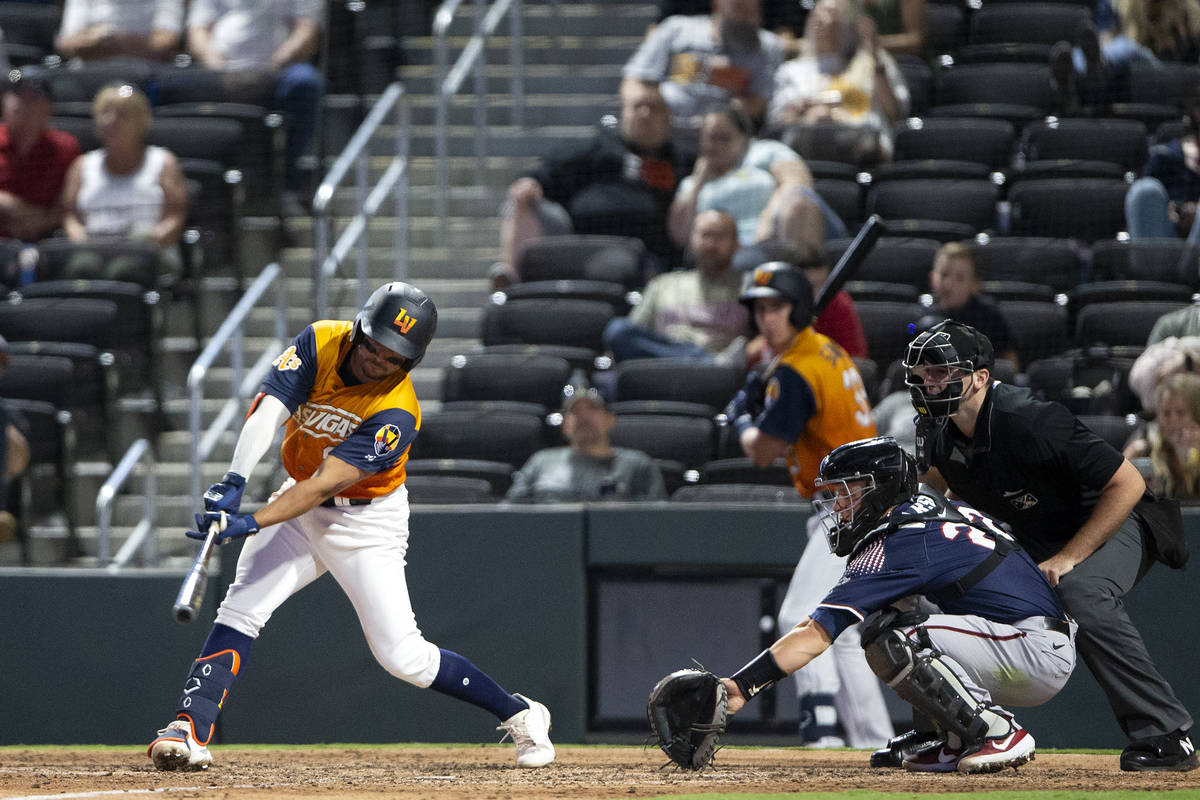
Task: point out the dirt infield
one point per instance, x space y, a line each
580 773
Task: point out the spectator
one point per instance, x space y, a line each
126 190
260 49
766 187
839 321
839 98
705 63
1172 441
693 313
14 453
1178 323
958 295
93 30
619 182
589 469
1163 357
33 158
1162 203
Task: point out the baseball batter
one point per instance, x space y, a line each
1001 637
343 390
813 401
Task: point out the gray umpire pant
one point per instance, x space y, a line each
1093 593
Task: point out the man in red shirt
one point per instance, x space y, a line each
33 158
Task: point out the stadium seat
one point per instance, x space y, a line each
497 474
1038 329
1164 83
945 28
883 290
1121 323
1169 260
744 471
688 441
1119 141
844 196
509 437
436 489
997 52
1051 262
1011 84
970 202
984 141
555 321
1018 290
529 377
945 168
712 385
893 260
889 327
1039 23
1086 382
1086 209
918 77
617 259
1124 291
1065 168
609 292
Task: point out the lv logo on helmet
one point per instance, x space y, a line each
404 322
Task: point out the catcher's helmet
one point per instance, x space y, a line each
781 279
890 476
961 350
400 317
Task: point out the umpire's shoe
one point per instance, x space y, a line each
530 732
904 746
176 749
1172 752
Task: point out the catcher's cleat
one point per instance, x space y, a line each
938 757
530 732
999 752
901 747
1172 752
176 749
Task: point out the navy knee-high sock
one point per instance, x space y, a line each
459 678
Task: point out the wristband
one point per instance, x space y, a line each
761 673
743 423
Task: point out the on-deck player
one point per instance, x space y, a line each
1000 637
343 389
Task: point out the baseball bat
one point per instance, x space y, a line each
191 591
853 257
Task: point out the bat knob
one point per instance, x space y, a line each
184 614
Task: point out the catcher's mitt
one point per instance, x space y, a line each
687 712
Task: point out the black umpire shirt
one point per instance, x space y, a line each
1031 464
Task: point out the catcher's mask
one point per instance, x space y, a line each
939 364
400 317
858 483
780 279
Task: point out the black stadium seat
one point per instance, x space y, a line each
1119 141
556 321
530 377
984 141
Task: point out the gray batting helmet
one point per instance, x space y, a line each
400 317
781 279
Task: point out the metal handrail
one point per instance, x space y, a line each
395 178
448 83
143 535
202 442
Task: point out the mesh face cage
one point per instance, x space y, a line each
843 527
934 349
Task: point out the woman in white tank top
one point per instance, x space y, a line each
127 190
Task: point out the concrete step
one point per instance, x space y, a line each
573 19
461 201
610 47
459 231
539 80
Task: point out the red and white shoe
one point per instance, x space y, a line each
999 752
938 757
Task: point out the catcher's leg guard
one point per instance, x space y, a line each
929 685
205 691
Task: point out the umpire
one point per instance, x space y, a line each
1074 503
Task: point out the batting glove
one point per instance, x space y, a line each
226 495
229 526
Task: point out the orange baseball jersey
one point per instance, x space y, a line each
368 425
816 399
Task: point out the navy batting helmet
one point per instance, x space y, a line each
400 317
889 476
781 279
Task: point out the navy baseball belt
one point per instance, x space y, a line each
334 502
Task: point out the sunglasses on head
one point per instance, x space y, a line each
375 351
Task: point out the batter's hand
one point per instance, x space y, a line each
229 526
226 495
734 695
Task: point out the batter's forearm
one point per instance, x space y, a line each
257 434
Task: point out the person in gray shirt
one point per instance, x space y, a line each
589 469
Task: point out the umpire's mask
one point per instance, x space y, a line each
939 363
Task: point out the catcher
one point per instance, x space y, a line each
1000 636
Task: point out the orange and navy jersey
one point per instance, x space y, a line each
816 399
368 425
